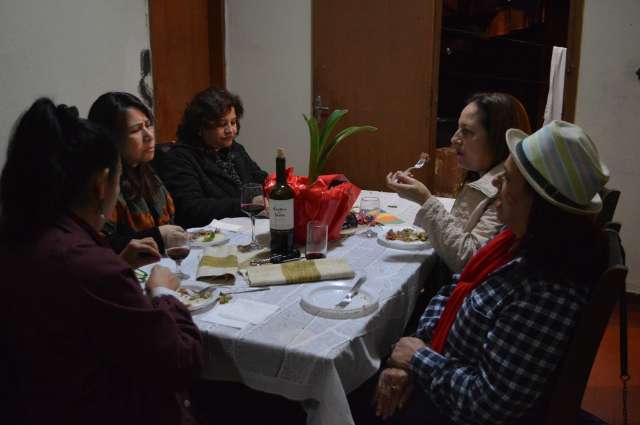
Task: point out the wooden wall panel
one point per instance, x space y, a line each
380 63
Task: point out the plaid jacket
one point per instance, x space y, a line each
507 340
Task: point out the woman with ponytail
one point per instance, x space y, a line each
82 343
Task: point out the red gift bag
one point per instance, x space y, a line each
328 200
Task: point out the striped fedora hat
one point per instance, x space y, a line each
561 163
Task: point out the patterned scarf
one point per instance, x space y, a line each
224 160
138 214
488 259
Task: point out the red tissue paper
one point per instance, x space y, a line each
328 200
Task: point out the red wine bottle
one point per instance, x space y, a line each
281 210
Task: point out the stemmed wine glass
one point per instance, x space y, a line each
177 248
252 202
369 208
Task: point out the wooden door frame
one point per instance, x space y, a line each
217 40
432 120
572 71
178 73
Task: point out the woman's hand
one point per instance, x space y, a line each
408 187
161 276
140 252
403 351
393 391
166 229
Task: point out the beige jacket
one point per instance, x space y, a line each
457 236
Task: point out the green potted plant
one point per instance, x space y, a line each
322 144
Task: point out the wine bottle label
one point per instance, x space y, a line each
281 214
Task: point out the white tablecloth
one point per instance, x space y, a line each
313 359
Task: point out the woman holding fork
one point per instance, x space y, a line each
481 150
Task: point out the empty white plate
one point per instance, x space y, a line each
322 300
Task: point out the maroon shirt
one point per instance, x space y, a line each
83 344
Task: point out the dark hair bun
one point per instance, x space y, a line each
51 157
68 120
67 114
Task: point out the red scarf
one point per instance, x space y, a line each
493 255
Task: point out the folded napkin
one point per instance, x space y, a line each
239 312
219 264
243 309
384 217
379 216
218 224
299 272
213 316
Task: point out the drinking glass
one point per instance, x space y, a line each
177 248
316 246
369 208
252 202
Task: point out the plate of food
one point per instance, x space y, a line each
403 237
202 237
192 296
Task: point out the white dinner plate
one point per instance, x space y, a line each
397 244
199 242
321 300
195 304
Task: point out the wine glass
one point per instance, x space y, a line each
177 248
252 202
369 208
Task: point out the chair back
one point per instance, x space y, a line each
565 395
610 199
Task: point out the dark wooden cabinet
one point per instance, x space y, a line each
506 46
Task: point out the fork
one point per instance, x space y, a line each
424 158
352 293
210 289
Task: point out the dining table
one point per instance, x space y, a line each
307 357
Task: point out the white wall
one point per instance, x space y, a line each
608 107
269 67
71 50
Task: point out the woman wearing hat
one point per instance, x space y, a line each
487 346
